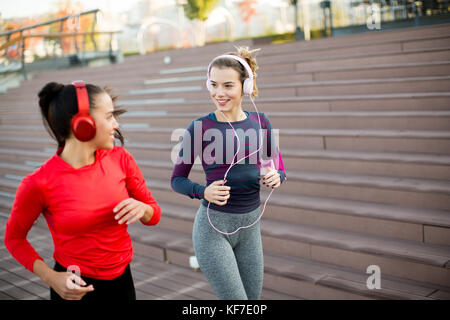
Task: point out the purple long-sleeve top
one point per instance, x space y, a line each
213 142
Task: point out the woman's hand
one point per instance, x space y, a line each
272 179
130 210
68 285
217 193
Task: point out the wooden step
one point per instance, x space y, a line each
426 120
397 221
424 193
395 48
15 168
160 172
312 88
419 35
356 187
407 223
311 271
399 70
374 218
358 48
392 190
395 102
286 89
22 156
402 69
36 144
400 258
434 120
135 69
303 276
410 165
420 141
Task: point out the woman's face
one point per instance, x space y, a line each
226 88
105 121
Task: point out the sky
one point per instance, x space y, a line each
24 8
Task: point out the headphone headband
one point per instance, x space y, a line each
239 59
82 97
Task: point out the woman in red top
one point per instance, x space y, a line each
88 192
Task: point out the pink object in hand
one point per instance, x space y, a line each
266 166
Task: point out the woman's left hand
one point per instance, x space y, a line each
272 179
130 210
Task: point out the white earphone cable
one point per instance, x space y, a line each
234 163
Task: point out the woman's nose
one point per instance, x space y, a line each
115 124
218 92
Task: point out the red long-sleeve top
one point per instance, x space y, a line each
78 207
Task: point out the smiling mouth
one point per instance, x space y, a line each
222 102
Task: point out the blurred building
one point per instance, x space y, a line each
153 24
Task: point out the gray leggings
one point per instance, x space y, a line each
233 264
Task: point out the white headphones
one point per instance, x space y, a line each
247 86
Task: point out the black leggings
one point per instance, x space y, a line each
120 288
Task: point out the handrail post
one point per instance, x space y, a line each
6 49
326 4
75 41
111 56
83 50
61 27
24 71
298 32
416 9
93 30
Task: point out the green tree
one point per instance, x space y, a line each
199 9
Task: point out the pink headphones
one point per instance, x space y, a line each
247 86
83 126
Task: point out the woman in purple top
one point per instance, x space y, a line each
232 147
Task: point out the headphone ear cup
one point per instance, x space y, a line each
83 127
248 86
208 85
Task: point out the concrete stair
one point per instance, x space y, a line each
365 136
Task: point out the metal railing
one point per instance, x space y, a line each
18 37
329 15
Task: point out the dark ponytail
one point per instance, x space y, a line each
56 114
58 104
47 94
